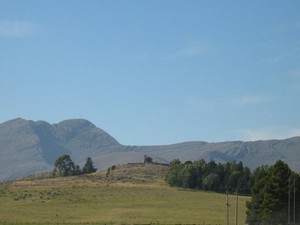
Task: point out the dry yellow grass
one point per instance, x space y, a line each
95 199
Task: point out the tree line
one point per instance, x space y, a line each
274 190
273 193
64 166
210 176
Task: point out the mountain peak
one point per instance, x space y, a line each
16 121
76 122
28 147
35 145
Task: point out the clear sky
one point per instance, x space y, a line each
154 71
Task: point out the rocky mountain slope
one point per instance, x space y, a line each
28 147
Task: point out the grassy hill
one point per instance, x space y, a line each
129 194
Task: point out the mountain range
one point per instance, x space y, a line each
29 147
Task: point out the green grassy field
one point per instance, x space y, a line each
96 200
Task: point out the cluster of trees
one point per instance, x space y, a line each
210 176
273 192
64 166
273 188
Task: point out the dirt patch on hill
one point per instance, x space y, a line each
137 172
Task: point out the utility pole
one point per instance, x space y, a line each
227 208
236 207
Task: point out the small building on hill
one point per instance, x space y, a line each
148 159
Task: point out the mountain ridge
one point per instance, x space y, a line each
29 147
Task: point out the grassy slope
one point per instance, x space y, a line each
139 197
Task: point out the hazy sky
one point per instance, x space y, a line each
154 71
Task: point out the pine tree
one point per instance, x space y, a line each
269 195
89 167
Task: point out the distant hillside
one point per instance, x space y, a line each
28 147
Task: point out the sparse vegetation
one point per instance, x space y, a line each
64 166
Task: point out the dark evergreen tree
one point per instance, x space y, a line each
254 206
276 194
269 202
88 167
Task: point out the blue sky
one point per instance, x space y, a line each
154 72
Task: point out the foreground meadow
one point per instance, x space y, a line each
95 200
